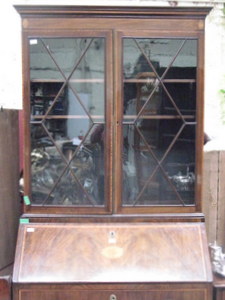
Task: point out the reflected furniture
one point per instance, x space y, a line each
113 137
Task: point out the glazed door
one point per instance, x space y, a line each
69 99
115 121
159 122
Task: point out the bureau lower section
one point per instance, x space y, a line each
107 261
114 292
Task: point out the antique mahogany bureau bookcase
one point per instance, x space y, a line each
113 138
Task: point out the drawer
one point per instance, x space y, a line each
113 295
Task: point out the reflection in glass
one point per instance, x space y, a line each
42 65
138 164
44 95
67 121
67 169
46 163
56 58
185 63
183 95
159 121
91 99
159 168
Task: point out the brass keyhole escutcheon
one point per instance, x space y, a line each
112 237
112 297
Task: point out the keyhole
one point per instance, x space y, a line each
112 234
112 297
112 237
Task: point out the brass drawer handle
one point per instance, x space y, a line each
112 297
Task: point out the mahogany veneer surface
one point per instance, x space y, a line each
108 295
112 253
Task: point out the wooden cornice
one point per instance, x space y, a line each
111 11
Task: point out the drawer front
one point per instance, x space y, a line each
113 295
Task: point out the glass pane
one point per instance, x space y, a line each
90 64
159 121
159 134
144 100
138 53
92 96
67 122
82 184
156 55
185 64
67 52
179 164
184 97
152 166
46 163
138 163
67 169
42 65
158 191
88 165
44 95
87 80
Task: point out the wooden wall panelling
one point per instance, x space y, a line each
9 181
210 193
213 196
221 200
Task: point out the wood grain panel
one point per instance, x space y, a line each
96 23
119 11
213 195
173 252
210 193
221 202
9 185
107 295
116 218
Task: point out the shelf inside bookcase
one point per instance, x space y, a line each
37 117
78 80
152 80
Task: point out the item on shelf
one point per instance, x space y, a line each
47 165
183 182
